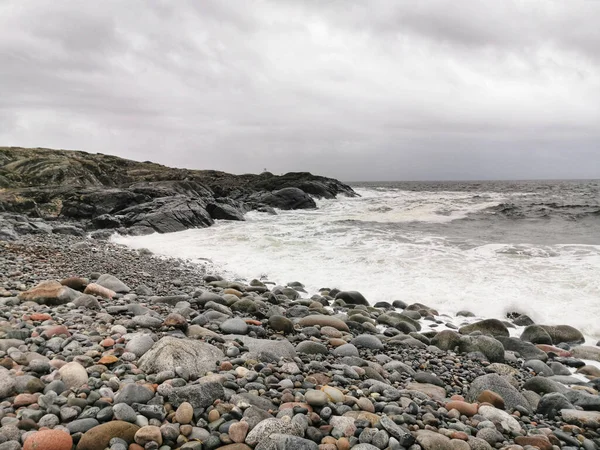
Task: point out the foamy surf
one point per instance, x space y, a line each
398 245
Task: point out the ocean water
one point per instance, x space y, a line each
488 247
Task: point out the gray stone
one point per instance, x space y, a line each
543 385
123 411
490 327
526 349
551 404
539 367
132 393
495 383
281 348
139 344
352 298
367 341
82 425
200 395
234 326
446 339
264 429
7 384
312 348
489 346
404 437
193 356
87 301
536 334
430 440
346 350
564 333
113 283
278 441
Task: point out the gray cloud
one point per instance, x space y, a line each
355 90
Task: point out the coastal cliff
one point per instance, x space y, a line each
104 192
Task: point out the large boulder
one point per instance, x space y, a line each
491 327
113 283
526 349
196 357
536 334
223 211
352 298
564 333
446 339
50 293
168 214
495 383
281 348
490 347
288 198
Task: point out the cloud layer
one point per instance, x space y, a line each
377 90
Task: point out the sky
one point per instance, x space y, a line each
357 90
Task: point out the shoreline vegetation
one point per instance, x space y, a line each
102 346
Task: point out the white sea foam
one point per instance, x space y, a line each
343 244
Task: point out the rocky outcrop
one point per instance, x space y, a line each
100 192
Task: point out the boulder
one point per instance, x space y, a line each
200 395
168 214
113 283
526 349
551 404
264 429
490 347
495 383
490 327
563 333
281 348
536 334
50 293
446 340
352 298
287 198
193 356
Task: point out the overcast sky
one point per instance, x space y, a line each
358 90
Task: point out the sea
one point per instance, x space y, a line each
489 247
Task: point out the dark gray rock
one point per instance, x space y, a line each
352 298
536 334
495 383
543 385
526 349
312 348
564 333
490 327
491 348
551 404
198 395
287 198
367 341
539 367
134 393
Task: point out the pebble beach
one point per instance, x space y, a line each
105 347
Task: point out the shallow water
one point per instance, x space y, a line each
489 247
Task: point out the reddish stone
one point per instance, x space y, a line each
492 398
539 441
290 405
108 359
459 435
40 317
258 323
468 409
555 350
49 440
24 400
55 331
108 342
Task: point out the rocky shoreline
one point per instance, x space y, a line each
107 347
